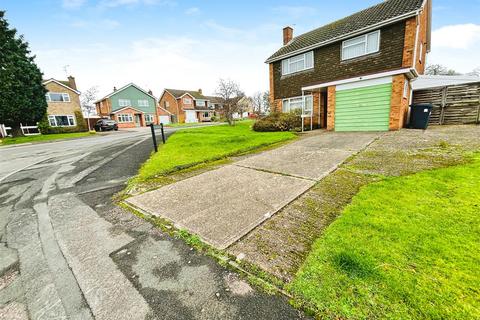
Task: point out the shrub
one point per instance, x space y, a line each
279 121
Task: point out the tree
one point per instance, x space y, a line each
475 72
257 103
261 102
229 94
266 102
22 95
88 103
438 69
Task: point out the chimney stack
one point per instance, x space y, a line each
150 92
72 83
114 89
287 35
200 91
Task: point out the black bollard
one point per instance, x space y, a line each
154 138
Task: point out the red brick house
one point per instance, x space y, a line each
187 106
354 74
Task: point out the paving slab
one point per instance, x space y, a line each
222 205
313 157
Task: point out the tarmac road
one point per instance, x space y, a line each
67 252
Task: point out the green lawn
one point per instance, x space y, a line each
405 248
43 137
190 147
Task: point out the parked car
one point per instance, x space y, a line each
105 125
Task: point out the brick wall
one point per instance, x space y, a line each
62 108
132 124
399 103
173 107
331 91
104 108
329 67
409 42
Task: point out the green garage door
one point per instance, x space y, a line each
363 109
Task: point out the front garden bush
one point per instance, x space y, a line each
279 121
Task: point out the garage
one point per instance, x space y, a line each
164 119
190 116
363 106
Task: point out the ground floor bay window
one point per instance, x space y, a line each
61 121
296 103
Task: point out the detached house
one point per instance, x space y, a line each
354 74
130 106
63 101
187 106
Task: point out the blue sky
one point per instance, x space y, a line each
191 44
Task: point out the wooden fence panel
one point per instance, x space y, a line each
459 104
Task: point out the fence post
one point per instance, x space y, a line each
442 110
163 133
153 137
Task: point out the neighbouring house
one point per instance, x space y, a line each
245 108
187 106
455 99
130 106
354 74
63 101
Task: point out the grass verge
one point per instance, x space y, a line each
44 137
191 147
405 248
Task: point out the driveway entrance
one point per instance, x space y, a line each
223 205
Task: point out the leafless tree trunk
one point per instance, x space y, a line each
88 102
230 94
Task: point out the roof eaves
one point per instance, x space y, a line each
59 83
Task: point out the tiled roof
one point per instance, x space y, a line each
380 13
177 93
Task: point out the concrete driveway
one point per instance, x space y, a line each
223 205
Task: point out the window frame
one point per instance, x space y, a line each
122 101
184 99
365 42
63 94
124 118
70 119
143 103
297 98
151 117
288 62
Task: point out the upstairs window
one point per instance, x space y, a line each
124 102
143 103
166 104
298 63
200 103
187 100
57 97
360 46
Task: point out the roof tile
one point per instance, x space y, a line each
379 13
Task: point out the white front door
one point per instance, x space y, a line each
190 116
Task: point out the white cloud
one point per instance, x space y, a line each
460 36
71 4
192 11
157 63
456 46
